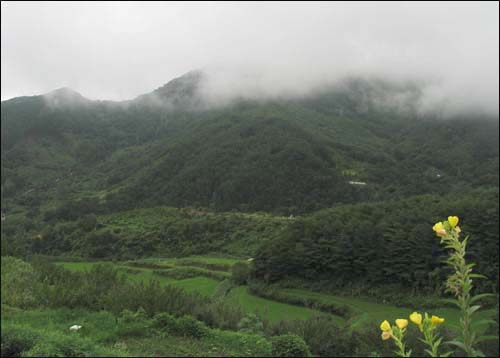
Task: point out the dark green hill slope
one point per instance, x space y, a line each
288 156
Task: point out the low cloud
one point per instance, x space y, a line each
271 50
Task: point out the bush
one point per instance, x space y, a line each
223 289
134 329
189 327
239 273
128 316
269 292
19 283
323 336
251 323
219 313
289 345
184 272
186 326
60 345
16 340
165 322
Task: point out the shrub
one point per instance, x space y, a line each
269 292
323 336
184 326
189 327
184 272
165 322
134 329
223 289
251 323
206 265
239 273
16 340
19 283
219 313
128 316
61 345
289 345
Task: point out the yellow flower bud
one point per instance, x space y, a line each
457 229
453 220
439 229
386 335
401 323
416 318
385 326
435 320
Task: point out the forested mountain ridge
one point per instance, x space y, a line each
284 155
105 179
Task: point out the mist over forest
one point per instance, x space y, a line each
244 179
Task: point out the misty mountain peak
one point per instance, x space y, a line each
65 96
181 93
187 85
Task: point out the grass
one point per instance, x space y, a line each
271 310
102 335
216 344
367 312
203 285
363 311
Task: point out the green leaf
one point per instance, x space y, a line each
473 309
447 354
486 338
453 301
478 353
480 297
482 322
476 275
458 344
428 352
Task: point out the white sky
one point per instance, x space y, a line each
122 49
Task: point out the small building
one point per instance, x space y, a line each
357 182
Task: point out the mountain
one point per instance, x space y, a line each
329 186
345 144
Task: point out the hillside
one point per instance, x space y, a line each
185 228
286 156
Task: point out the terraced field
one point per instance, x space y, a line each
204 274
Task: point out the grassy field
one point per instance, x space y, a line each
203 285
271 310
102 335
363 311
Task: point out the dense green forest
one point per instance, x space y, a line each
303 202
69 164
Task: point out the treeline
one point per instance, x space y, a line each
43 284
139 233
391 243
286 157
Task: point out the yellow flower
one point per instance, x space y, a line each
436 320
453 220
401 323
386 335
439 229
385 326
416 318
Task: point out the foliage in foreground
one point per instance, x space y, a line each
45 333
459 283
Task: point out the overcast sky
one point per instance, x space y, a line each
120 50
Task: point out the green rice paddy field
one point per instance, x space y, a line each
364 311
